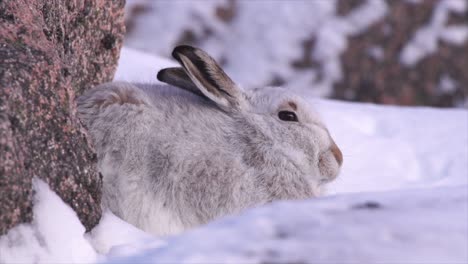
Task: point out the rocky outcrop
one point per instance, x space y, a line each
411 57
50 52
408 52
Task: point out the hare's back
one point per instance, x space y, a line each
122 102
161 95
133 117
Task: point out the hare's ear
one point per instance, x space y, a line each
208 76
178 77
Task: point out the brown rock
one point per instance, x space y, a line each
51 51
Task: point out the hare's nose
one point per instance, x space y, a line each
337 153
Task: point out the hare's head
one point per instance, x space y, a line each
280 127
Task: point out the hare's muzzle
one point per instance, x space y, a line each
337 153
330 162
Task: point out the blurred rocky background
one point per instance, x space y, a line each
401 52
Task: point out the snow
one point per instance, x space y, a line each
401 198
135 66
112 232
55 235
376 52
404 147
447 85
364 228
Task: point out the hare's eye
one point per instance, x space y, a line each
287 116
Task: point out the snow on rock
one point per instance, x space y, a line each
331 40
446 84
398 227
253 41
425 39
56 235
158 29
363 50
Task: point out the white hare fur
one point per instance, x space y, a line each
174 158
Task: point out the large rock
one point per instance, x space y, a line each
50 52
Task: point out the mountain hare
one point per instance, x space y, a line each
177 156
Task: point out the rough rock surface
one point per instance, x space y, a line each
50 52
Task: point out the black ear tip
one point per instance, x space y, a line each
182 49
160 75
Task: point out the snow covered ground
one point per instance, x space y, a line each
399 227
402 197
